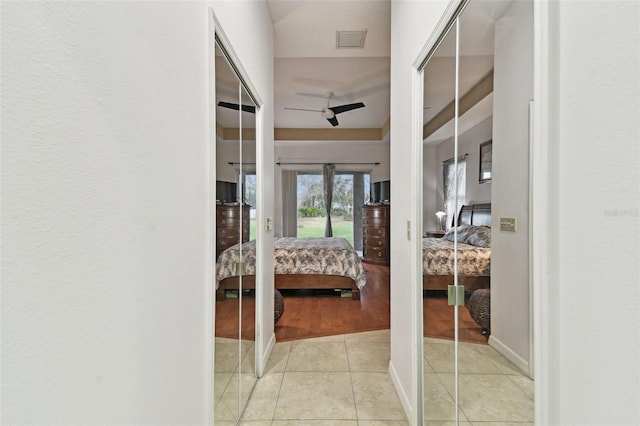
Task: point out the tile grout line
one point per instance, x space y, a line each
519 388
284 371
353 392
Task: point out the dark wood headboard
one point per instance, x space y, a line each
475 214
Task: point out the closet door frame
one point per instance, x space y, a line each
216 35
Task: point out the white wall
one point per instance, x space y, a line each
226 152
411 25
105 134
327 152
432 194
104 130
513 89
592 316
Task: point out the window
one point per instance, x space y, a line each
249 197
311 208
452 200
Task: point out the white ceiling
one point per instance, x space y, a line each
308 64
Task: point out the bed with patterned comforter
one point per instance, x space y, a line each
437 258
301 263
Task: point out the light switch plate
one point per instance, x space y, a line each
508 224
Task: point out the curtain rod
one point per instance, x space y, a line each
451 160
309 164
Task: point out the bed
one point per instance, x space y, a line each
300 263
474 260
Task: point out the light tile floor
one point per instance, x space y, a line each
344 380
492 390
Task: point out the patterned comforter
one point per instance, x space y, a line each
437 258
323 256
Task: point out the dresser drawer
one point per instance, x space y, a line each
374 221
375 253
231 212
224 222
229 232
223 243
374 231
380 212
374 242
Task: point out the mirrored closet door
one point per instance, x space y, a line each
465 379
438 129
235 322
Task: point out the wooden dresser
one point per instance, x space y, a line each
375 234
228 226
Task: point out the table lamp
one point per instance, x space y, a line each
440 214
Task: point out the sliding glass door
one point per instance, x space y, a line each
350 192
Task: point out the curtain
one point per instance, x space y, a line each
328 173
454 201
289 203
358 202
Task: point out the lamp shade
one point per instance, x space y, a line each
440 214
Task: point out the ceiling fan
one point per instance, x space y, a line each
330 112
245 108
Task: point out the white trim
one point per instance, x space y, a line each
260 293
267 353
506 352
404 399
235 59
210 309
540 170
417 355
435 34
530 372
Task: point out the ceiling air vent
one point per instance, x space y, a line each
350 39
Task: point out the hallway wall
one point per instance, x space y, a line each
106 295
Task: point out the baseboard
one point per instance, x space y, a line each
400 391
505 351
267 354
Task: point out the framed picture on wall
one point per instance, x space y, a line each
485 162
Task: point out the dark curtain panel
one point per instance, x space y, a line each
358 202
289 203
328 172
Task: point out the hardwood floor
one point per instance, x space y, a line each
439 320
313 316
325 315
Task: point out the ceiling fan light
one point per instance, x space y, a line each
328 113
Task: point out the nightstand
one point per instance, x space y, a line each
434 234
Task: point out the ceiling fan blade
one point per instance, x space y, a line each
245 108
333 120
344 108
302 109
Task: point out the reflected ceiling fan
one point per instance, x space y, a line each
330 112
245 108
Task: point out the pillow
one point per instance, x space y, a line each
479 236
463 230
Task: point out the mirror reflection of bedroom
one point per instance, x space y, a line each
235 186
475 217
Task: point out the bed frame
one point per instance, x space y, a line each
293 282
472 214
